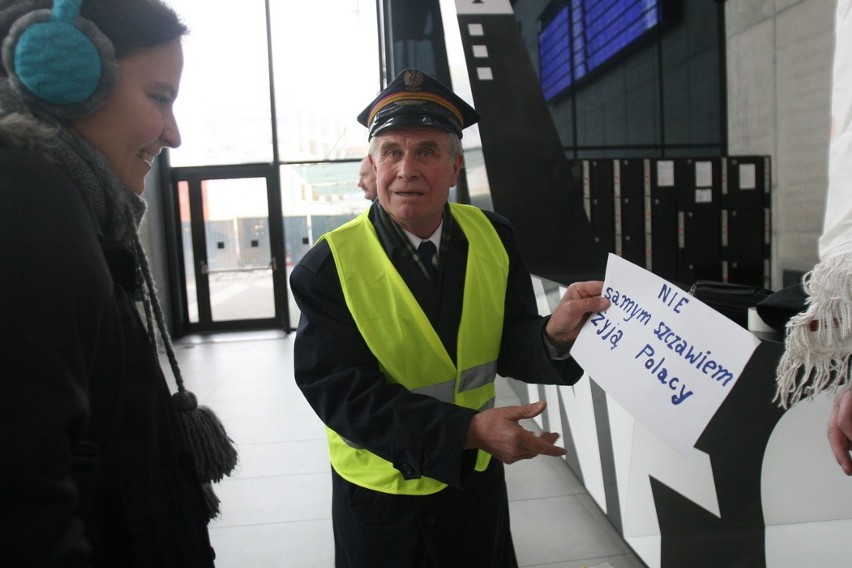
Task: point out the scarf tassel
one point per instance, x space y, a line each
819 340
211 501
213 451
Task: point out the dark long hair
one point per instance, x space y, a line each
131 25
134 25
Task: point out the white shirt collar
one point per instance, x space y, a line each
435 238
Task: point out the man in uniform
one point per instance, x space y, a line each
408 313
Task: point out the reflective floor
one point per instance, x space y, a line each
276 508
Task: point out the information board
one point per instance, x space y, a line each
578 36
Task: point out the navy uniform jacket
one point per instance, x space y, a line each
340 376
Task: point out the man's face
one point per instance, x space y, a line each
414 174
367 179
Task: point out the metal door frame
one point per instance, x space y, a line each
194 176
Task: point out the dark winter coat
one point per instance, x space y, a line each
94 468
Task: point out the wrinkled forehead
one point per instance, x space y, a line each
413 137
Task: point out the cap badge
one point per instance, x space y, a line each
413 79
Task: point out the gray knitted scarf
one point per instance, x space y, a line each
117 210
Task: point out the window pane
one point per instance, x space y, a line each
236 223
325 73
316 199
188 255
223 108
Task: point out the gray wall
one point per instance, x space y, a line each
779 57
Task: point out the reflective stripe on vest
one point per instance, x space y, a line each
391 321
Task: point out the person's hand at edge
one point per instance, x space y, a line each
840 430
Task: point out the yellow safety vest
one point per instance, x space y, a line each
391 321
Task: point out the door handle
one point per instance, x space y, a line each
204 268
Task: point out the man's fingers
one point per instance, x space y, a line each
585 289
551 449
515 442
549 437
589 305
547 445
525 411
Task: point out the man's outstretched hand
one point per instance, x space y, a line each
497 432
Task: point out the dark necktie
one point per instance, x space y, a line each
427 251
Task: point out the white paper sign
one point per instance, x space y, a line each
666 357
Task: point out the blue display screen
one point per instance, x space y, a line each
578 36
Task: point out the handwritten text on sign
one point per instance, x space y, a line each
662 354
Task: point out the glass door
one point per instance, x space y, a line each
230 254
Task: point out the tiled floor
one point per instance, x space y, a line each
276 509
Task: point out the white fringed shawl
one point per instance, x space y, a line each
819 340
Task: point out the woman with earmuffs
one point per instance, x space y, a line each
99 464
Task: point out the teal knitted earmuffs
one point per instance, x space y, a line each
60 61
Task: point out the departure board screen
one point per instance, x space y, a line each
578 36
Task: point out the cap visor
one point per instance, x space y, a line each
403 121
